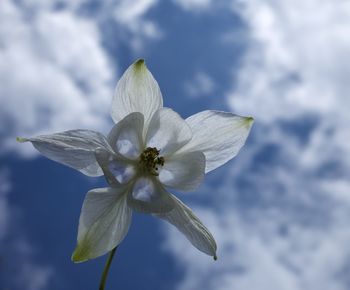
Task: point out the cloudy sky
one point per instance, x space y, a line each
280 211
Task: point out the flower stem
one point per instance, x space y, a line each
106 269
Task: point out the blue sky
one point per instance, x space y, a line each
280 211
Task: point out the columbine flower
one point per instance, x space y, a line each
150 149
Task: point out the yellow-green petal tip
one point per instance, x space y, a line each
139 63
76 258
139 67
250 119
78 255
21 140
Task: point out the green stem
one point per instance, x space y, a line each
106 269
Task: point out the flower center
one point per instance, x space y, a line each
150 160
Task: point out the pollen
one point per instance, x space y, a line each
150 160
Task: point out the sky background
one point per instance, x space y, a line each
280 211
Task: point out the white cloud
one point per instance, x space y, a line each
130 12
54 73
201 85
281 212
15 250
33 277
132 15
298 58
194 5
297 66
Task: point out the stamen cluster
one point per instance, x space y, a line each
150 159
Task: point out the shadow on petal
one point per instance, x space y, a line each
148 196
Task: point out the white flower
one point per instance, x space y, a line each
149 150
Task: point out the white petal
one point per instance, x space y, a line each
126 136
183 171
74 148
136 91
116 169
148 196
103 158
167 132
219 135
104 222
186 222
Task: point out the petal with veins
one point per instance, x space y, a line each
116 169
136 91
168 132
186 222
219 135
126 136
183 171
148 196
104 222
74 148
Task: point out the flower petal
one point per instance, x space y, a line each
186 222
136 91
104 222
183 171
126 136
74 148
116 169
167 132
148 196
103 158
219 135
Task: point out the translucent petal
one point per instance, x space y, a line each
219 135
186 222
104 222
74 148
126 136
148 196
183 171
167 132
116 169
136 91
